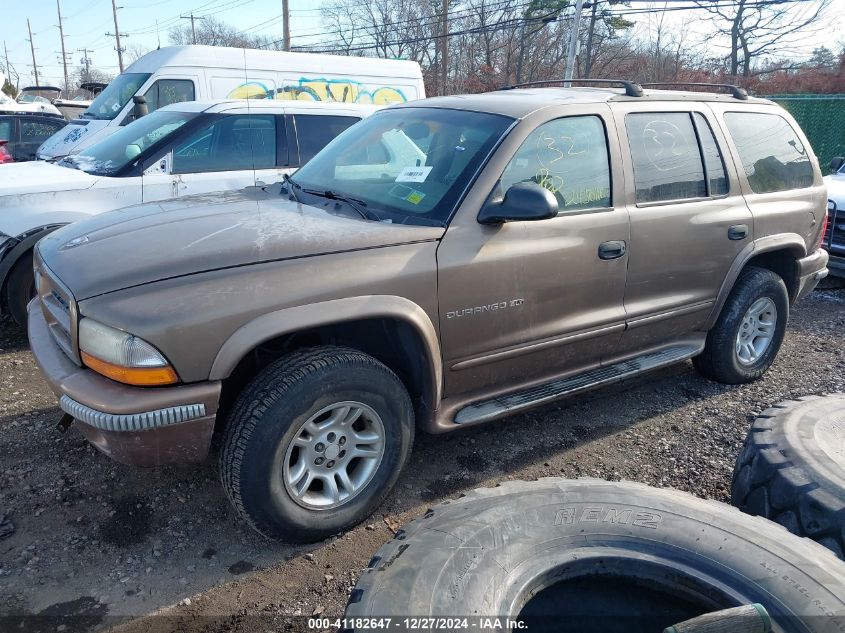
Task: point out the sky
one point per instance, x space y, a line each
87 21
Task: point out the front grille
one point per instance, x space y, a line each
58 307
834 236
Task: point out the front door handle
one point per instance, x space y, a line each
738 232
611 250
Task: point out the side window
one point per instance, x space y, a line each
569 158
665 155
772 155
228 143
6 130
166 91
714 164
36 131
315 131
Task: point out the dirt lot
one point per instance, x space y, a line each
103 540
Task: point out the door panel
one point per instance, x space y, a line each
527 300
683 204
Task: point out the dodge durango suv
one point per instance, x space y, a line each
438 265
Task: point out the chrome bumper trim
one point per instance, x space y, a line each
132 421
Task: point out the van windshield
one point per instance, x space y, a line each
408 165
117 94
114 152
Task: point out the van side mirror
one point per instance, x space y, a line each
836 163
140 107
523 201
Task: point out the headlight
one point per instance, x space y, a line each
121 356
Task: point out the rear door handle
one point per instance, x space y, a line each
611 250
738 232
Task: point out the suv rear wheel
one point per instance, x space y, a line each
315 443
747 336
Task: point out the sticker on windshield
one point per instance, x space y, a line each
415 197
414 174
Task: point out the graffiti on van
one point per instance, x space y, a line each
336 90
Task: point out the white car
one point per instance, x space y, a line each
178 150
834 238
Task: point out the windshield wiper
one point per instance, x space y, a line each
287 180
68 161
354 203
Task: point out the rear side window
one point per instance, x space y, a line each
38 131
166 91
569 158
666 157
714 165
314 132
772 155
6 130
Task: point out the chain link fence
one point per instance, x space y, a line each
822 117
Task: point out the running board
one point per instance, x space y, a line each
533 396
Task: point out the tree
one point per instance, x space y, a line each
823 57
758 29
134 52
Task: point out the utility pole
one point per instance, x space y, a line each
573 44
193 28
285 25
6 57
444 48
32 48
62 36
117 36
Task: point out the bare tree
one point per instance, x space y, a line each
134 52
757 29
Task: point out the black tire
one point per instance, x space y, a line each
719 360
267 417
792 469
20 288
496 552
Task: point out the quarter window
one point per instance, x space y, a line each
666 158
568 157
714 164
314 132
772 155
229 143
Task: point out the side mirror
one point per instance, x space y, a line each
132 151
140 107
836 163
524 201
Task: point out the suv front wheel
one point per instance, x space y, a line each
747 336
315 442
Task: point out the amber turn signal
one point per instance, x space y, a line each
138 376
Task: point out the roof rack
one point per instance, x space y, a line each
631 89
736 91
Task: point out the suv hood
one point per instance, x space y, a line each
39 177
152 242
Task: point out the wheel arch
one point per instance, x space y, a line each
778 253
394 330
25 242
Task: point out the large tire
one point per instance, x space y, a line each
266 428
20 288
720 359
792 469
496 552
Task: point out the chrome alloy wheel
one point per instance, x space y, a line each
756 331
334 455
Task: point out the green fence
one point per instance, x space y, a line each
822 117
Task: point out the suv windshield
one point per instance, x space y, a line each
116 151
117 94
406 165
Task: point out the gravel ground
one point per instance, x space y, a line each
113 543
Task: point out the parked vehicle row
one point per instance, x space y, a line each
440 264
22 134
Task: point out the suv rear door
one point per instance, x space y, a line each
689 220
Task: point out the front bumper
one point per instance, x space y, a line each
836 264
143 426
811 270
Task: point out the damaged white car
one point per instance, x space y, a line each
178 150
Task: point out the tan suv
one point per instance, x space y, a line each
440 264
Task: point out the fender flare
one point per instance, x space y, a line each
290 320
26 241
767 244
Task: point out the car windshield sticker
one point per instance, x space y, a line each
414 174
406 193
415 197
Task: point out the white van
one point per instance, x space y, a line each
204 73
